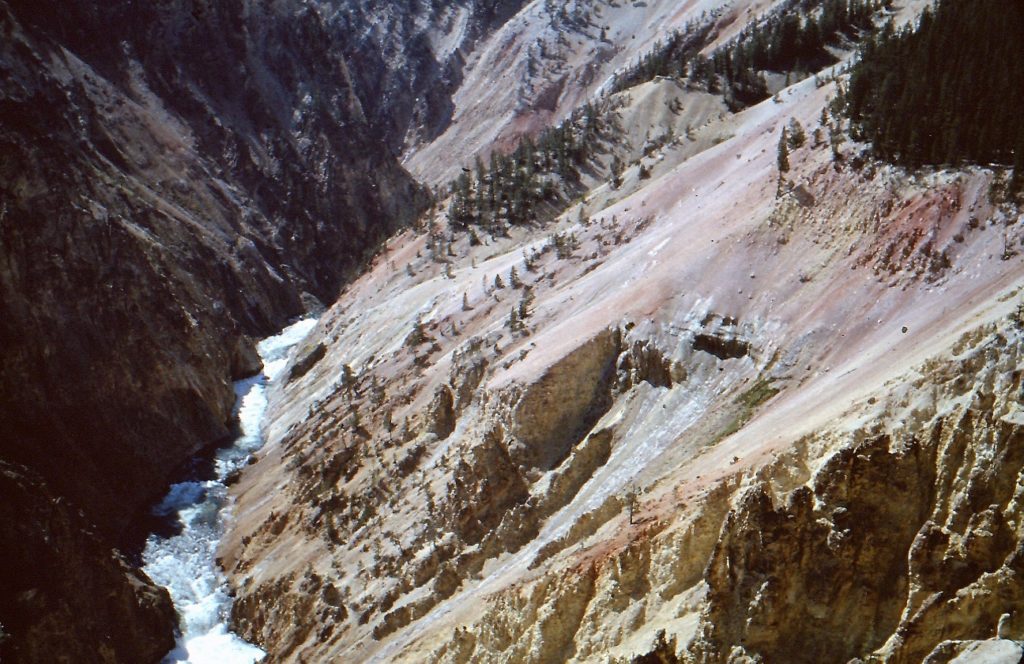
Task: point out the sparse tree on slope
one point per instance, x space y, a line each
784 152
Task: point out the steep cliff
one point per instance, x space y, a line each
412 58
169 190
175 179
64 595
712 413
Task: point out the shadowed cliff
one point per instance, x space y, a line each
176 180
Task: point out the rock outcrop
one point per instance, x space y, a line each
64 595
711 412
727 420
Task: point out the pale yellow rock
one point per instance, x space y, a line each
813 483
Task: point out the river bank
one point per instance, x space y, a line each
195 512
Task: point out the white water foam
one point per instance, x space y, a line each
185 563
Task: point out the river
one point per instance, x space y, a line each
183 558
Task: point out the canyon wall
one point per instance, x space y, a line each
177 179
714 413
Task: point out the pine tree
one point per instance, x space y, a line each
1017 179
514 322
783 152
529 261
616 168
417 336
797 136
632 502
528 296
836 140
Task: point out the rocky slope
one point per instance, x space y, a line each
189 181
157 210
550 58
114 613
704 416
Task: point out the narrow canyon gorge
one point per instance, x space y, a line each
592 331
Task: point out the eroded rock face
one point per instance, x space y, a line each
991 651
557 411
664 464
498 443
167 192
895 544
730 425
411 58
903 546
184 183
64 596
821 577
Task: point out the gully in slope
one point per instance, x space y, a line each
185 561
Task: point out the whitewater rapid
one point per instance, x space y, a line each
185 562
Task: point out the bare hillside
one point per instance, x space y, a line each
706 415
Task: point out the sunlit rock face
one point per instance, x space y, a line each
806 451
700 411
732 420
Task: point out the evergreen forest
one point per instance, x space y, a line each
948 92
796 39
